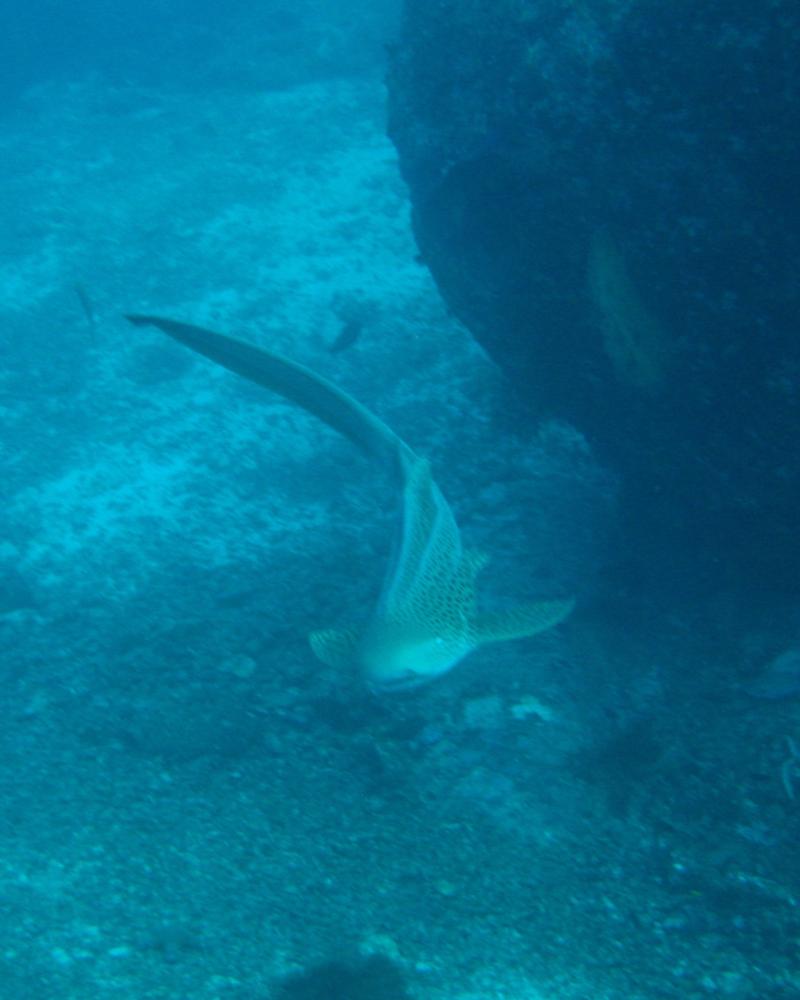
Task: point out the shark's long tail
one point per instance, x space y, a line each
297 383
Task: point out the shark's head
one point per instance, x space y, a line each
393 658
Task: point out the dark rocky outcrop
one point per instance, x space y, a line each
606 194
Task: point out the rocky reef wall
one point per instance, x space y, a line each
606 194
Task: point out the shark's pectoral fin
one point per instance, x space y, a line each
516 623
336 647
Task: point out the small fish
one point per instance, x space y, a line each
780 679
87 307
348 335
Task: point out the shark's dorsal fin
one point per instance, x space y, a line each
429 552
425 621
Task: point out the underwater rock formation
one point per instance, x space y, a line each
605 193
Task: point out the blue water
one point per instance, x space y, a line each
191 805
178 43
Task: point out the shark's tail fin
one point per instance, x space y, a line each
295 382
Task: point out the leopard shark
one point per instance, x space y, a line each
426 619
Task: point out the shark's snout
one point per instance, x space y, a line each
391 662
